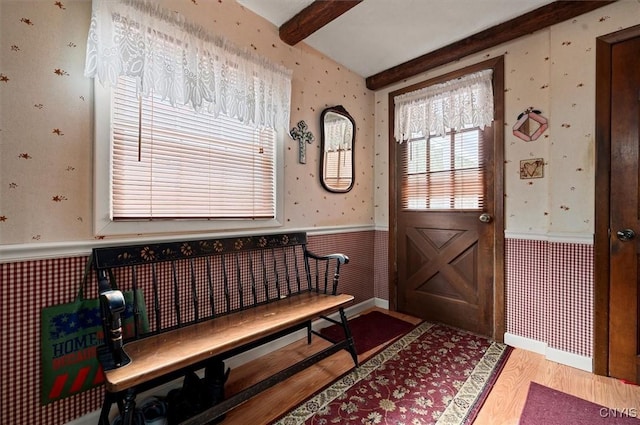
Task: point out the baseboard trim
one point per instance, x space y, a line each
380 303
528 344
236 361
570 359
553 354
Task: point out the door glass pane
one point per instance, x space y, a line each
443 173
439 154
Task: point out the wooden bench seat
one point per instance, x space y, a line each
160 354
204 302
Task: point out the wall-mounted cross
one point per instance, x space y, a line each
302 135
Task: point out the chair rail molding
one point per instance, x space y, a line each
557 237
42 251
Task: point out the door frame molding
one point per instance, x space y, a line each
497 65
604 46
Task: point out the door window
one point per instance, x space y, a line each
443 172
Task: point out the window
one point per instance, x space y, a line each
443 172
187 171
337 168
442 160
187 164
214 163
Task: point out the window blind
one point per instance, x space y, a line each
444 172
187 164
337 168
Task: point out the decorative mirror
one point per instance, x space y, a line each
336 144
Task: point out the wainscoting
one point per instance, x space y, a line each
549 297
30 285
549 294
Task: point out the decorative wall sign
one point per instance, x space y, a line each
530 125
532 168
302 136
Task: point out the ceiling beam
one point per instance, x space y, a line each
528 23
312 18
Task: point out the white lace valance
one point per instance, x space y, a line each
455 104
338 134
184 64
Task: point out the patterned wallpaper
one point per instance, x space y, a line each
553 71
45 125
46 167
549 284
549 293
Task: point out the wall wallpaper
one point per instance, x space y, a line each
549 285
46 169
45 125
46 165
553 71
540 277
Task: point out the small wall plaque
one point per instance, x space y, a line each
532 168
530 125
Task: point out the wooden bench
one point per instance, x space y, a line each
206 301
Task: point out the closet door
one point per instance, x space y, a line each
624 243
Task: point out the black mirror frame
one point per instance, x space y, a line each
339 109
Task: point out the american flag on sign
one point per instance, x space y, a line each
66 324
71 333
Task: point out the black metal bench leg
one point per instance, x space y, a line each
129 407
309 332
106 409
347 334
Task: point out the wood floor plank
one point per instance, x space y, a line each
507 398
509 393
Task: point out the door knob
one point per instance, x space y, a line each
625 234
485 218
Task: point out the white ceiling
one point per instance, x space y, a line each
376 35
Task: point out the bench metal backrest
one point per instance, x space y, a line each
186 282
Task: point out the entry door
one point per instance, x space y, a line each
445 255
624 248
445 260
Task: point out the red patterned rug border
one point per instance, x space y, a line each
463 408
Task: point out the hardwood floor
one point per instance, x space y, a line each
508 396
503 406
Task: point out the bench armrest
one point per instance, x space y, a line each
112 306
341 258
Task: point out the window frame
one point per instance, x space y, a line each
104 225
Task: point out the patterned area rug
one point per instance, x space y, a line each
370 330
433 375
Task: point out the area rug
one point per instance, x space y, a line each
546 406
370 330
435 374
